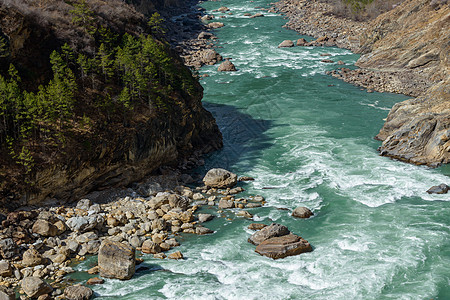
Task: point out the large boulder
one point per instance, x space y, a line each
220 178
302 212
282 246
116 260
32 258
286 44
227 66
78 292
44 228
273 230
35 286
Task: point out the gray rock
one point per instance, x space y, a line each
84 204
86 237
33 258
35 286
439 189
77 223
72 245
5 269
8 248
273 230
135 241
116 260
78 292
204 217
220 178
179 201
6 293
302 212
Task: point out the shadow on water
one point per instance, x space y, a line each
244 139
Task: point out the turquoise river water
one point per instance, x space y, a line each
376 233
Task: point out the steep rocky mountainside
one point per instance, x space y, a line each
413 42
116 132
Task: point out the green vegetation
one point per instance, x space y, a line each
125 73
357 5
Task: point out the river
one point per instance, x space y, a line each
376 233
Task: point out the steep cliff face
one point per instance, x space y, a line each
418 130
413 42
118 148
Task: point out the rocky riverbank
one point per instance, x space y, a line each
404 50
38 244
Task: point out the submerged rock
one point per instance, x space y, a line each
302 212
116 260
283 246
220 178
274 230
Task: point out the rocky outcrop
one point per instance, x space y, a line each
283 246
418 130
116 260
268 232
276 241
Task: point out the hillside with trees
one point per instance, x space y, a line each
91 94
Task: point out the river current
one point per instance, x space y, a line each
376 233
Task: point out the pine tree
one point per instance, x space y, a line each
4 48
83 16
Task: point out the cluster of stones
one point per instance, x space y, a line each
316 18
199 51
40 244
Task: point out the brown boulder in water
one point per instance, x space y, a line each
283 246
